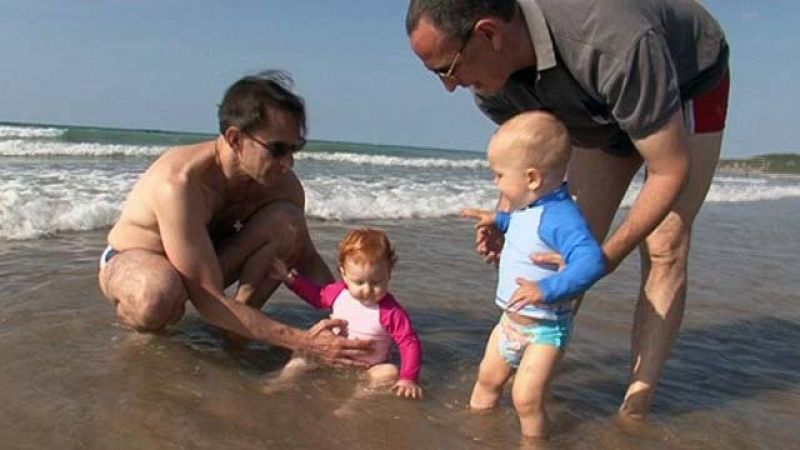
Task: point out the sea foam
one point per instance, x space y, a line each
41 196
10 131
396 161
46 201
19 147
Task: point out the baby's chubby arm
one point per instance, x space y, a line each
565 230
397 322
320 297
485 217
489 228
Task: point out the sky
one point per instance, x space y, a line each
164 64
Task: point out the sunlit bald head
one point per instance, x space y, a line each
535 140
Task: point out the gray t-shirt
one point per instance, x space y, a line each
613 70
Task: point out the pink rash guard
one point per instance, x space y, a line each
380 323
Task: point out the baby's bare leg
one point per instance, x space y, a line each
493 373
293 369
382 376
530 387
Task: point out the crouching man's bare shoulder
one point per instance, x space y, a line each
183 177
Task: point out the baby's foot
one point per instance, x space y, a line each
276 385
344 411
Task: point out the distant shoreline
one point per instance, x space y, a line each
757 173
768 164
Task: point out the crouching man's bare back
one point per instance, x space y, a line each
205 215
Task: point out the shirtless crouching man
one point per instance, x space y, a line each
205 215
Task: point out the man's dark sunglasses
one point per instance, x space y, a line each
279 149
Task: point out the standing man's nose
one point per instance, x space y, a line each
450 83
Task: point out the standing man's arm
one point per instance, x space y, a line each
666 157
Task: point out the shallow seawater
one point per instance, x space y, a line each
73 378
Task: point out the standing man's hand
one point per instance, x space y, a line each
549 259
322 344
528 293
488 239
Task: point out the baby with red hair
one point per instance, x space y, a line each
362 298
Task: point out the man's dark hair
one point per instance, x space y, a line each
455 18
247 102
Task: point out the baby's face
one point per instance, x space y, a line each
511 178
368 282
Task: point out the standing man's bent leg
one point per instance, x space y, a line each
662 299
147 292
598 181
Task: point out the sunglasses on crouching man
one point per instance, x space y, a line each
279 149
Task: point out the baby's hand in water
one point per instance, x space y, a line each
407 389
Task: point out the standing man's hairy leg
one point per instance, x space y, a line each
599 181
662 298
147 292
493 373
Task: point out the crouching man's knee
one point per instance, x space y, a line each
289 221
155 302
284 228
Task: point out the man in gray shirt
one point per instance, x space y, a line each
635 82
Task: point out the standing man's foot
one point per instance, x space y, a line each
637 401
640 427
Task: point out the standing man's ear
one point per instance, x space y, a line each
534 178
488 29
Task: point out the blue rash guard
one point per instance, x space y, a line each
552 223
